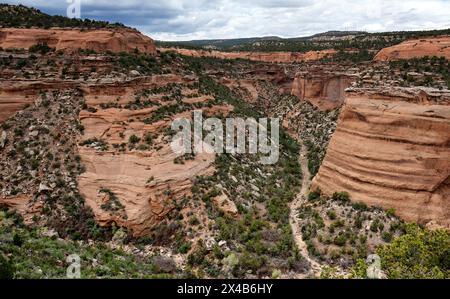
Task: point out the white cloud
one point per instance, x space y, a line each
201 19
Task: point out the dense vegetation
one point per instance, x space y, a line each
35 253
19 16
338 231
357 56
435 65
144 64
418 254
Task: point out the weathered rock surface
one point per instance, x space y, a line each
147 183
324 90
436 46
117 40
285 57
15 94
393 150
121 92
127 175
226 205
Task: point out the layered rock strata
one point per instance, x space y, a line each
392 149
114 40
284 57
416 48
325 90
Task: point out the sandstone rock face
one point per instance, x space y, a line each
285 57
248 82
226 205
393 151
437 46
324 90
127 175
15 94
97 94
118 40
147 183
322 86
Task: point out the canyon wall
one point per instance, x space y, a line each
392 150
117 40
147 183
286 57
416 48
324 90
16 94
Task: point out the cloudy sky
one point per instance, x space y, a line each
211 19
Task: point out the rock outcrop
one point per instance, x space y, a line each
416 48
114 40
282 57
147 183
16 94
392 149
325 90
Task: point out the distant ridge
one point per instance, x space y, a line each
338 40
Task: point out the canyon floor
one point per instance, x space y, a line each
295 205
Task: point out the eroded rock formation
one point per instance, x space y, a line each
325 90
117 40
16 94
416 48
285 57
146 182
392 149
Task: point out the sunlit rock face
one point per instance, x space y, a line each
114 40
438 46
324 90
392 149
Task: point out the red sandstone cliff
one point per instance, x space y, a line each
393 151
324 90
117 40
436 46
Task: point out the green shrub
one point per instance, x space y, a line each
390 212
6 268
148 139
419 254
17 240
341 196
340 240
41 48
184 248
360 206
194 220
314 195
375 226
387 236
331 214
134 139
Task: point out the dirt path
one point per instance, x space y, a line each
295 204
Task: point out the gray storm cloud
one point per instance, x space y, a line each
211 19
